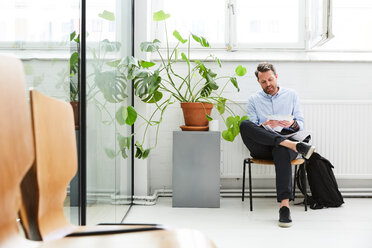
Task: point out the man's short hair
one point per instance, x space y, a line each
264 67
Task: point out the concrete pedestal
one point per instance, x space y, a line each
196 169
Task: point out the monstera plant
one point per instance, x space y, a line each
160 84
157 83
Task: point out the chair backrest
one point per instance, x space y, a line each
55 166
16 142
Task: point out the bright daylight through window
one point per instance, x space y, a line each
286 24
45 24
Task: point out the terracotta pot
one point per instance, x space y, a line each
75 108
195 113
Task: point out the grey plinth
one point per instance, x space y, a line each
196 169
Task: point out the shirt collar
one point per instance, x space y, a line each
280 91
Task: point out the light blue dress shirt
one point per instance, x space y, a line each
284 102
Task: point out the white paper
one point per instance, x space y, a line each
280 117
299 135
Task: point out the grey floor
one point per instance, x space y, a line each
233 225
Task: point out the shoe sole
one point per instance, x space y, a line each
283 224
310 152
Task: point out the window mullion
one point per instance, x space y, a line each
230 27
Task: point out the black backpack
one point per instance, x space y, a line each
322 182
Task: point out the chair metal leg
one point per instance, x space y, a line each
305 187
243 187
294 183
250 185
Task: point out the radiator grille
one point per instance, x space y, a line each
341 132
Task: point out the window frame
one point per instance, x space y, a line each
230 43
236 45
315 37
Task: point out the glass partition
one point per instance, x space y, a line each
45 36
39 33
109 37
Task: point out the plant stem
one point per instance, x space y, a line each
149 121
223 88
188 55
166 37
177 95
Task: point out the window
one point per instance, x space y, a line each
45 24
269 23
242 24
351 26
204 18
320 23
36 23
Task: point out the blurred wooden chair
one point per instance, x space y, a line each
44 188
16 158
55 165
16 147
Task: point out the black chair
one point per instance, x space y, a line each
251 161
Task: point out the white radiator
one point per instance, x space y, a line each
341 132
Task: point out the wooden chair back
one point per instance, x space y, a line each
55 166
16 142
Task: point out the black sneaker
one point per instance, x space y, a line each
284 217
305 149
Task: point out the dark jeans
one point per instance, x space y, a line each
264 144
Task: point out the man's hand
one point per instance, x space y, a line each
275 123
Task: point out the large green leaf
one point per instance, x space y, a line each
185 58
209 118
72 35
240 70
139 150
124 154
234 82
232 124
230 121
157 96
148 46
107 15
201 40
227 135
160 16
209 76
178 37
146 84
147 64
77 39
128 141
74 62
124 144
110 46
114 63
121 141
132 116
221 105
121 115
129 61
145 153
111 85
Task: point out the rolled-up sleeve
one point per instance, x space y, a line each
251 111
297 112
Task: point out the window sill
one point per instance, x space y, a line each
31 54
223 55
275 55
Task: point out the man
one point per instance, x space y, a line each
266 144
